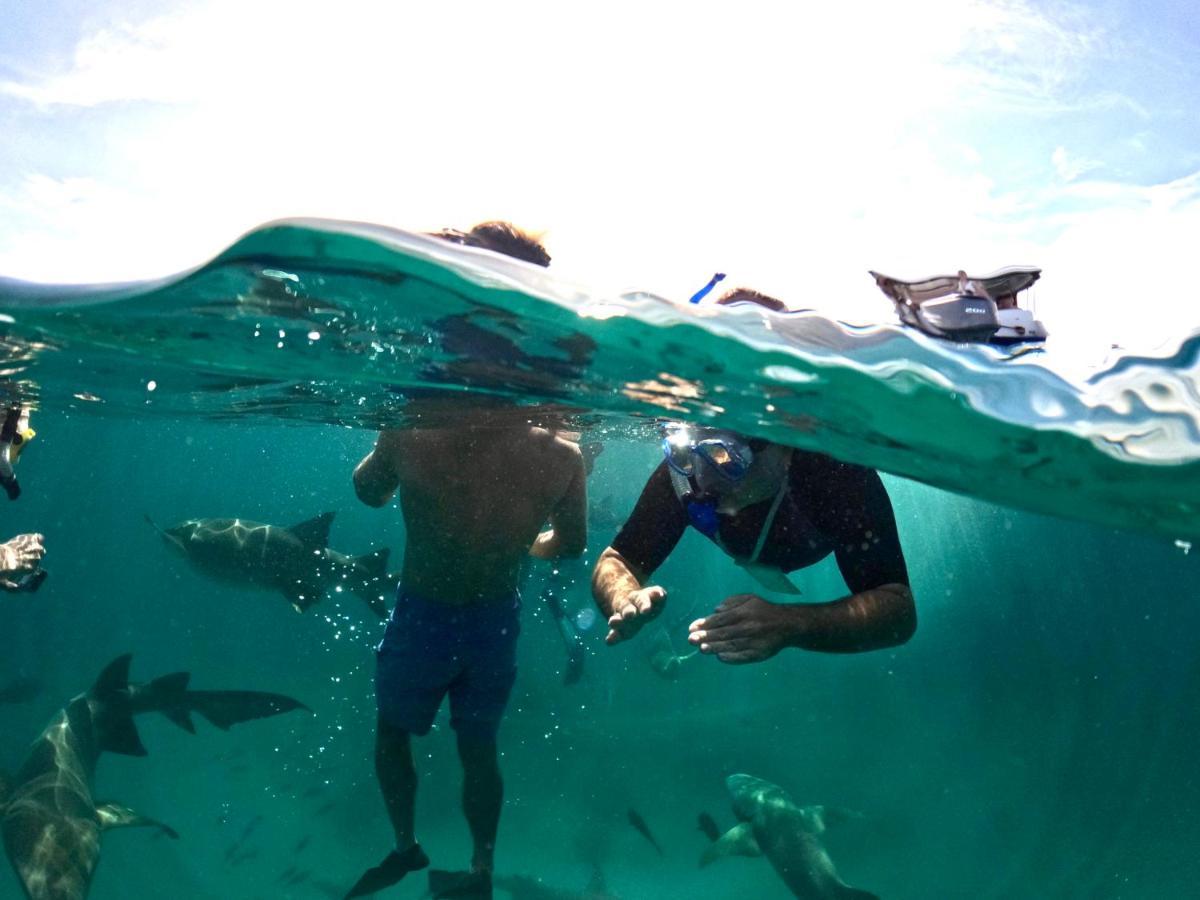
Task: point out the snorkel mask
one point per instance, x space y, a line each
710 460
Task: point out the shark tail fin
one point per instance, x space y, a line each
370 580
170 699
226 708
314 532
115 728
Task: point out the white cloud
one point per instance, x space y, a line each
655 146
1069 167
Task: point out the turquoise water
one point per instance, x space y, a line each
1035 739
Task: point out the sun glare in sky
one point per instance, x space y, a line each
793 147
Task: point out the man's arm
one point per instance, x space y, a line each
644 542
878 613
567 535
376 478
617 589
746 628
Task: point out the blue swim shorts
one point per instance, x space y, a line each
431 649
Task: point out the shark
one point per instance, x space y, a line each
771 824
50 821
295 561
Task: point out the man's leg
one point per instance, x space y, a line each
397 780
483 795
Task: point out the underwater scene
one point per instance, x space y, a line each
1033 737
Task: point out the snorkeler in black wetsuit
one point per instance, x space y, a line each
773 509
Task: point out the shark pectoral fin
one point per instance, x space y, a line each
168 694
737 841
833 816
302 595
369 579
314 532
181 717
114 815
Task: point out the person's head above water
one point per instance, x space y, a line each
500 237
746 295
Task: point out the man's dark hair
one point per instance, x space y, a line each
500 237
745 295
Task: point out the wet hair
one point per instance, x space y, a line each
745 295
500 237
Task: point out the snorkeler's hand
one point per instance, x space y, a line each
632 611
19 556
744 628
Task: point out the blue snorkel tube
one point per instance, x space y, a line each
707 289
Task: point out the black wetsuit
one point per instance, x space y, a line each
830 507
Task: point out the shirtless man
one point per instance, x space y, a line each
476 488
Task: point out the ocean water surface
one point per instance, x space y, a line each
1035 738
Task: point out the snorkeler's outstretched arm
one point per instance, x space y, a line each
376 478
746 628
19 558
618 591
644 542
878 613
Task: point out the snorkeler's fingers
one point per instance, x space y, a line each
733 602
711 636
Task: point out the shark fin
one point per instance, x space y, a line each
114 721
314 532
113 679
170 693
226 708
114 815
833 816
304 594
370 579
737 841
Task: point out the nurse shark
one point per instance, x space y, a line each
295 561
789 836
51 824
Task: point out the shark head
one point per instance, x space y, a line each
750 795
177 536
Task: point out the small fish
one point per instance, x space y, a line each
250 828
20 690
708 826
302 843
643 829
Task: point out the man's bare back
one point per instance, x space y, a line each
474 499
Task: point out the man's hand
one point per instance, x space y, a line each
632 611
744 628
19 556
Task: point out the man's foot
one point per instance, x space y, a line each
445 885
394 867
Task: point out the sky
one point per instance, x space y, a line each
792 146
